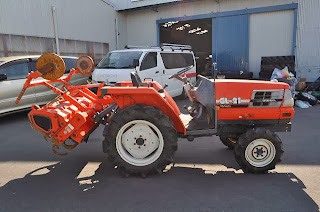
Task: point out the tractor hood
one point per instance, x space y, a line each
242 92
251 84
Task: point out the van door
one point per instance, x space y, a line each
10 88
149 68
172 63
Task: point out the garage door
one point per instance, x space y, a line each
230 43
270 34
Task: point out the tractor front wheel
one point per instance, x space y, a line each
141 140
258 150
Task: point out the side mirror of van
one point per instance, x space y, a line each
3 77
135 63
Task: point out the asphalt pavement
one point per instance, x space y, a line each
205 176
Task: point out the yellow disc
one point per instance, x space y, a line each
85 65
58 63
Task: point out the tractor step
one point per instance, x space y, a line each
193 124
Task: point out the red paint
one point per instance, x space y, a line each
188 75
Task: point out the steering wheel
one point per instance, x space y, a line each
177 75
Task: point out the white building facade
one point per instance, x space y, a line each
274 28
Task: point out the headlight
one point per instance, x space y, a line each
288 100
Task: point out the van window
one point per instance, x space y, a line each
150 61
177 60
119 60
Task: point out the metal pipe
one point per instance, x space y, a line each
55 28
117 33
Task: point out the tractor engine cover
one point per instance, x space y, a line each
60 120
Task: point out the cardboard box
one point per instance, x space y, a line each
302 84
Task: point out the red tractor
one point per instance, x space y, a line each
143 123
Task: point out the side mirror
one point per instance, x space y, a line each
3 77
135 63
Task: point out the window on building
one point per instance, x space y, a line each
150 61
15 71
177 60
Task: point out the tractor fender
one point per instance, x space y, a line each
128 96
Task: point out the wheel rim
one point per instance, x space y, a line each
139 143
260 152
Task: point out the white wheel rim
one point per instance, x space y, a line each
139 143
260 152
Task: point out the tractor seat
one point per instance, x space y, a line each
136 81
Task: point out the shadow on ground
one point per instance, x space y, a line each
179 189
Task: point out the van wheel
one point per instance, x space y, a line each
141 140
229 142
258 150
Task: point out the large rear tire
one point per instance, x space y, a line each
140 140
258 150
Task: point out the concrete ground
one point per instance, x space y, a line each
206 176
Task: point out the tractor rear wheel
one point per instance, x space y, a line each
258 150
140 140
229 142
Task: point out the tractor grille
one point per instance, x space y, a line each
42 122
270 98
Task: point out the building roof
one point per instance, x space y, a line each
135 4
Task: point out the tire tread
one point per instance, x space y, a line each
153 115
244 141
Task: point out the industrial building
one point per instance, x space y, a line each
72 27
233 33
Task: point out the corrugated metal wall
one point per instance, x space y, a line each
270 34
11 45
82 20
308 40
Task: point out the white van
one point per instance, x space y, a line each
157 63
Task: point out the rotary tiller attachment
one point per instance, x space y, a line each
69 115
49 66
55 148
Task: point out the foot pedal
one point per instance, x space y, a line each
190 110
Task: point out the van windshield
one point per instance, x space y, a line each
119 60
